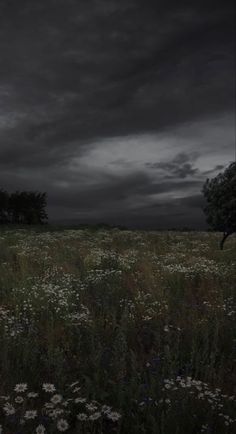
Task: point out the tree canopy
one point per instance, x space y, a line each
25 207
220 195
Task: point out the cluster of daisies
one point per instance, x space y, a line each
182 389
48 409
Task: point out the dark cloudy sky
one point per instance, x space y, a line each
119 109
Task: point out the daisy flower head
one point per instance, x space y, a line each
95 416
91 407
20 387
48 387
62 425
82 416
19 399
56 399
113 415
30 414
40 429
9 409
32 395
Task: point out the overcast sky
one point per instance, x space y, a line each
119 109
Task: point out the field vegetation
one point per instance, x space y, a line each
111 331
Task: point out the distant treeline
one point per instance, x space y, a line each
23 207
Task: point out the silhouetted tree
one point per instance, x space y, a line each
35 204
27 207
15 208
220 194
4 200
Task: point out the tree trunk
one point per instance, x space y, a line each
225 236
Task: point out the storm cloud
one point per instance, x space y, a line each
119 109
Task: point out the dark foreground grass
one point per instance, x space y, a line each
117 332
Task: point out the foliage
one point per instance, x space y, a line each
4 200
220 194
26 207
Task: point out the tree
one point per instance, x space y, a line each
4 199
27 207
220 195
35 207
15 208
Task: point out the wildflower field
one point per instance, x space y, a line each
110 331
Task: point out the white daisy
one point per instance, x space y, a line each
62 425
113 415
19 399
82 416
21 387
40 429
32 395
5 398
91 407
30 414
47 387
48 405
9 409
95 416
56 399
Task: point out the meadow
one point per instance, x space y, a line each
111 331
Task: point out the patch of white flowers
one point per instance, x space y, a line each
215 399
56 409
201 265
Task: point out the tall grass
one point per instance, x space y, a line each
142 322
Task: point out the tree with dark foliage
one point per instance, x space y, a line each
220 194
26 207
4 200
